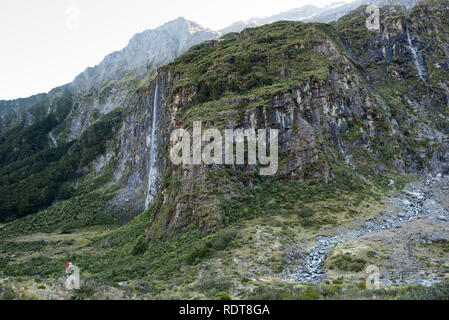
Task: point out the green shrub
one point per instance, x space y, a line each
34 177
207 247
311 294
84 292
66 230
198 254
8 293
68 242
267 293
345 262
222 239
214 284
140 246
361 285
306 212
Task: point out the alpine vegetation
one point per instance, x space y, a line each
289 160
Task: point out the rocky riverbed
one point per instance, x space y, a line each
419 215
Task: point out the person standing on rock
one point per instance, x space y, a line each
73 280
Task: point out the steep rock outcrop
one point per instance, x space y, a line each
44 126
333 98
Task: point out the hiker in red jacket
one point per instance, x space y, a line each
69 266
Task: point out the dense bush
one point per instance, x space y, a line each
218 242
32 179
306 212
346 262
281 196
85 292
140 246
7 293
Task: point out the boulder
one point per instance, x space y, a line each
435 237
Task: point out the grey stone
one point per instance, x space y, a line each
310 267
435 237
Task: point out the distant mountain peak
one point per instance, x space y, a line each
181 22
147 49
311 13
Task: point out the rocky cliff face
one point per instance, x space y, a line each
145 52
360 113
344 99
108 85
105 87
44 127
347 102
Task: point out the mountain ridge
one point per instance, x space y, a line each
290 15
105 86
311 13
142 50
77 112
362 179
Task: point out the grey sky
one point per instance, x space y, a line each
43 46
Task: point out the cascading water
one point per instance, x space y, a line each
414 51
152 173
55 143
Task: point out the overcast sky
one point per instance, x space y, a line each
46 43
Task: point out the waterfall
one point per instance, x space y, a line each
152 172
414 51
55 143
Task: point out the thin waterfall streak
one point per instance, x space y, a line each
152 172
55 143
416 59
